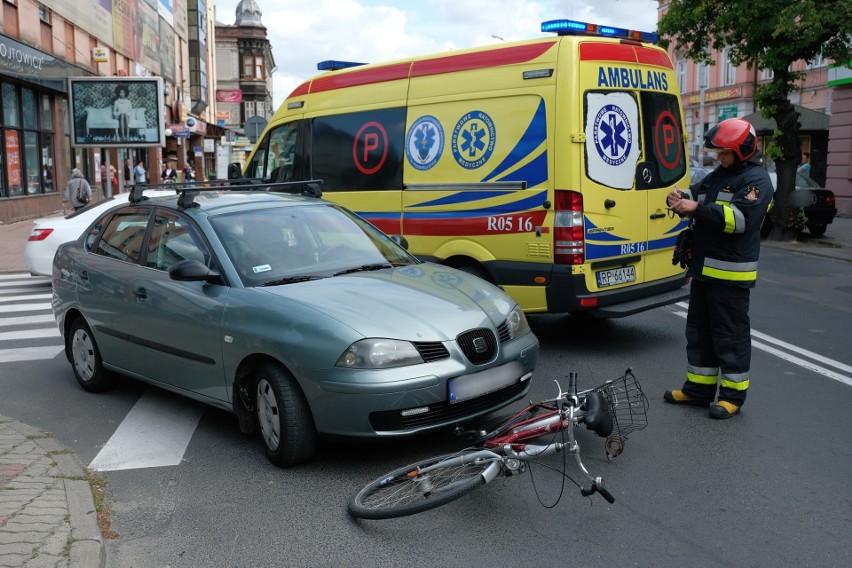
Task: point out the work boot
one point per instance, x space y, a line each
723 409
679 397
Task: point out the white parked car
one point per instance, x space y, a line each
50 232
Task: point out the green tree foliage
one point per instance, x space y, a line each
765 34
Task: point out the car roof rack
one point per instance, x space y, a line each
189 190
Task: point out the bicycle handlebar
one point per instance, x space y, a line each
602 490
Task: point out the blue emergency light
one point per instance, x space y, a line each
573 27
333 65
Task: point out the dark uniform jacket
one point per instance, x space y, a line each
726 224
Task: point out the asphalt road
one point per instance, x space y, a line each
767 488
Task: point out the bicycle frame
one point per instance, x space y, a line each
506 451
611 410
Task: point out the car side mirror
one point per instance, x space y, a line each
234 171
192 270
400 240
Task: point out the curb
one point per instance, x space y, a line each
87 548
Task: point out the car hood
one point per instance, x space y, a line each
421 302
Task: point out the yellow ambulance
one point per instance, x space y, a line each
542 165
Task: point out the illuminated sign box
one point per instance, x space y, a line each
116 112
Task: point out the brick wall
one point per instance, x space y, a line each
839 170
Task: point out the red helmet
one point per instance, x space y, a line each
733 134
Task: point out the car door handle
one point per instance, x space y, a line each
141 293
658 215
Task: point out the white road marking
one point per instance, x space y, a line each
38 333
792 358
7 299
29 353
154 433
16 308
24 289
23 277
27 310
26 320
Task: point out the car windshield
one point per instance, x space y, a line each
292 244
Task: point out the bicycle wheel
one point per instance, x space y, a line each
404 492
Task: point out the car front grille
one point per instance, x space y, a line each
478 345
393 420
504 332
431 350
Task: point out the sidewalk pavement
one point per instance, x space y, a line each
47 512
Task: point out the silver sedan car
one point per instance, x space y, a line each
291 312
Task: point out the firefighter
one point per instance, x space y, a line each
722 264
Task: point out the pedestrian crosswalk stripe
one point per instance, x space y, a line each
26 315
29 353
15 308
27 320
25 298
29 334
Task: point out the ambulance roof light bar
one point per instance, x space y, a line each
333 65
573 27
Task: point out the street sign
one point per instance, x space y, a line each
254 126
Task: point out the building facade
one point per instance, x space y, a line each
44 43
244 67
712 93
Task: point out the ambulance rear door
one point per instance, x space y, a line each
633 154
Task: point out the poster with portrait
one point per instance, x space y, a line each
116 112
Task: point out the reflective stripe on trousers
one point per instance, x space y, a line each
718 339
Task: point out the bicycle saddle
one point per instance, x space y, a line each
598 416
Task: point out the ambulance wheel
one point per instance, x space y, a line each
477 271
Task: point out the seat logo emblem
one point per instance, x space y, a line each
479 345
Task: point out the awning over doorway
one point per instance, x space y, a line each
808 118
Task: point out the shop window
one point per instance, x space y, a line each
11 114
30 111
28 155
31 163
14 175
46 115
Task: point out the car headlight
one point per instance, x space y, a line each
518 322
379 354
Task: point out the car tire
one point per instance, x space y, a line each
86 359
817 229
283 417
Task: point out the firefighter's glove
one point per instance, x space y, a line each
683 248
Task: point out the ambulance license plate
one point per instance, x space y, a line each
616 276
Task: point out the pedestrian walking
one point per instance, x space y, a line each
77 192
721 257
139 173
169 174
805 166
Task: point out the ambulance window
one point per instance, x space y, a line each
613 137
255 167
281 153
664 152
359 151
275 154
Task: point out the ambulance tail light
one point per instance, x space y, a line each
569 246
